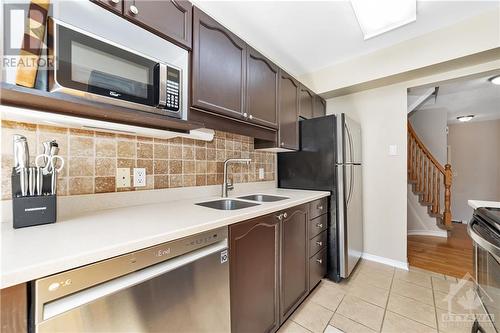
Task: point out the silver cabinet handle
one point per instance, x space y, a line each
114 1
250 116
282 144
134 10
245 115
319 261
320 207
319 225
319 243
285 215
279 217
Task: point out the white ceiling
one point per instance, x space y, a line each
478 97
305 36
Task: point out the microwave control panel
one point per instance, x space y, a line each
173 89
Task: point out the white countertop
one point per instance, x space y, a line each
475 204
87 237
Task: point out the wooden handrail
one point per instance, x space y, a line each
424 171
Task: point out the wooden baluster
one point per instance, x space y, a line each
438 193
447 195
429 183
417 171
434 190
424 172
421 166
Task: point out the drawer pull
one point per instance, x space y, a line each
279 217
285 215
319 225
319 261
319 243
320 207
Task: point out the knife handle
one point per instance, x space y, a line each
31 180
23 181
39 181
53 182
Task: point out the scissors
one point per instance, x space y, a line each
49 161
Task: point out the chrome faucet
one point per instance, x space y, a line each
228 185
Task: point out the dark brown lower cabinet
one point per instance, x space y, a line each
269 269
254 270
294 257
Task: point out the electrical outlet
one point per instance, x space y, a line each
122 177
139 177
261 173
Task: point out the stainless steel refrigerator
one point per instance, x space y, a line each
330 159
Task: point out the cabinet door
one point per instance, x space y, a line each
288 112
262 89
306 103
170 18
254 264
112 5
294 259
219 67
319 107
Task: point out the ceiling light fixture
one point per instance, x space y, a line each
495 79
377 17
465 118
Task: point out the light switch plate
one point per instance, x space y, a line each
261 173
122 177
139 177
393 150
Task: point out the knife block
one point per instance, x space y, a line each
33 210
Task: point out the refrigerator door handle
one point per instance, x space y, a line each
351 185
349 139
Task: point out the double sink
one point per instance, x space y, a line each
233 204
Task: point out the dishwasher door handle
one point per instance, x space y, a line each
77 299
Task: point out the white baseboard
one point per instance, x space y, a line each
436 233
385 261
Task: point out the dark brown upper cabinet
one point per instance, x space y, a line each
288 136
319 109
219 68
171 19
262 90
306 103
294 259
254 275
112 5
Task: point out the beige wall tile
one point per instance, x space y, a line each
161 181
160 167
104 184
81 166
105 147
125 163
81 185
160 151
188 167
105 166
146 164
81 146
188 153
175 181
188 180
81 132
126 149
201 167
201 180
144 150
175 167
175 152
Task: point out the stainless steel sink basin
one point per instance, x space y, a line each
227 204
263 198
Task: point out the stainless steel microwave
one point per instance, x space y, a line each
92 67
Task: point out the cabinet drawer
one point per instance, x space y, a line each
317 243
318 207
318 225
317 268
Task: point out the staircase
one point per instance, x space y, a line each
426 175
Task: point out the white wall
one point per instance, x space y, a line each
475 161
382 113
430 126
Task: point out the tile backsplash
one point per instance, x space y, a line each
92 158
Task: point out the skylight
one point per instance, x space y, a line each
378 17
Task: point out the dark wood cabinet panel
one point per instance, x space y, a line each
262 89
254 264
219 67
112 5
169 18
306 103
318 207
294 259
288 112
319 109
14 309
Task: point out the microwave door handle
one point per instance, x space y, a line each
162 85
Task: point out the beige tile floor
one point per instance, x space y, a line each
380 298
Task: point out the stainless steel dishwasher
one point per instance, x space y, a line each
179 286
